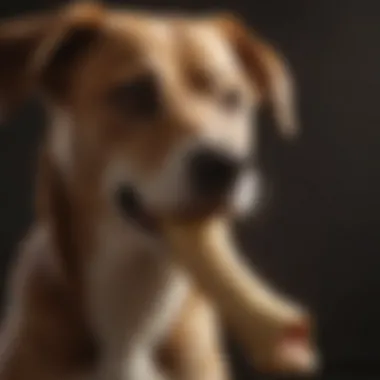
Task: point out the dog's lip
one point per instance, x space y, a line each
149 220
193 212
133 209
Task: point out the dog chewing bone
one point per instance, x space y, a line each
274 332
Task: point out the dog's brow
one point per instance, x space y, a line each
202 49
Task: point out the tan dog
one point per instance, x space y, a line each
149 115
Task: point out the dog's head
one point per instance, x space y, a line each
162 105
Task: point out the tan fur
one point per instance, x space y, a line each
91 296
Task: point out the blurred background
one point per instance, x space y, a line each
320 239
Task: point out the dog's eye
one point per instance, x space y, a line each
137 98
231 100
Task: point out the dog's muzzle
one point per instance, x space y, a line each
211 177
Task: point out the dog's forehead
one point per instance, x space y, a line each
181 39
205 44
140 28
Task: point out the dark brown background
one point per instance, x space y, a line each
320 241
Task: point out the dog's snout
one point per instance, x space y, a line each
212 172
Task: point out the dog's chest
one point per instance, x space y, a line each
133 288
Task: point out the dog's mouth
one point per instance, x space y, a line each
134 210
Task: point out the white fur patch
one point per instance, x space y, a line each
60 139
142 366
134 294
247 193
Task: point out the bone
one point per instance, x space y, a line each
274 332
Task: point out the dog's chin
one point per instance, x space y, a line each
197 209
149 217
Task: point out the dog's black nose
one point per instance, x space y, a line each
212 172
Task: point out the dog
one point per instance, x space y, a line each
150 115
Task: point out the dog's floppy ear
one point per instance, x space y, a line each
267 69
37 50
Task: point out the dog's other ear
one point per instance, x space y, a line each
35 51
267 70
